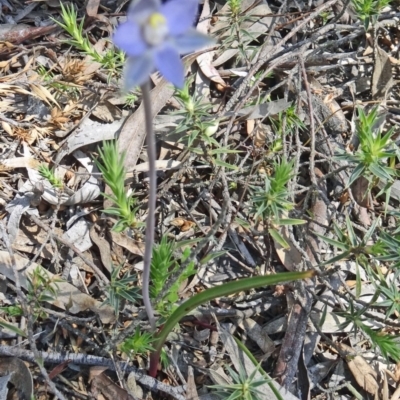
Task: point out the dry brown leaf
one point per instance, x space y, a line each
363 373
182 223
385 388
22 71
289 257
205 60
260 135
250 124
382 79
397 372
103 110
256 333
28 135
161 165
362 215
7 127
57 370
43 94
58 118
68 296
205 64
128 243
178 222
19 33
191 391
21 376
92 8
20 162
360 191
187 226
96 371
7 89
104 248
102 384
133 131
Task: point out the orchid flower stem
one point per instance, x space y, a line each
150 225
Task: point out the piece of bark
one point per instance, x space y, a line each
292 345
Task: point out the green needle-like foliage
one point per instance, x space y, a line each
41 288
349 243
388 247
369 10
272 202
235 7
388 344
243 387
140 343
49 174
112 60
391 291
121 289
287 121
70 25
200 128
237 35
375 155
111 164
163 265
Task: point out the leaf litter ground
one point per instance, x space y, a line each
284 83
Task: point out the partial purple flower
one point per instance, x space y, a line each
154 36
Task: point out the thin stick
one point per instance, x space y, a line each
28 314
151 155
88 360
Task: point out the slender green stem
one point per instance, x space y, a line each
213 293
150 225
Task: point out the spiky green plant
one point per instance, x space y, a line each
112 60
242 387
138 344
111 163
271 202
163 265
369 10
375 157
121 289
49 174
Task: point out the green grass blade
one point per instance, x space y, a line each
221 291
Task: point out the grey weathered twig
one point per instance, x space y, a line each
84 359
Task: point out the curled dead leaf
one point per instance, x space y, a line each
182 223
363 373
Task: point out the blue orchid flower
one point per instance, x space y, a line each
154 36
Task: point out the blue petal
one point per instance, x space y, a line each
169 63
180 15
140 10
191 41
137 70
128 38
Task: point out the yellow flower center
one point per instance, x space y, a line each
155 30
156 20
